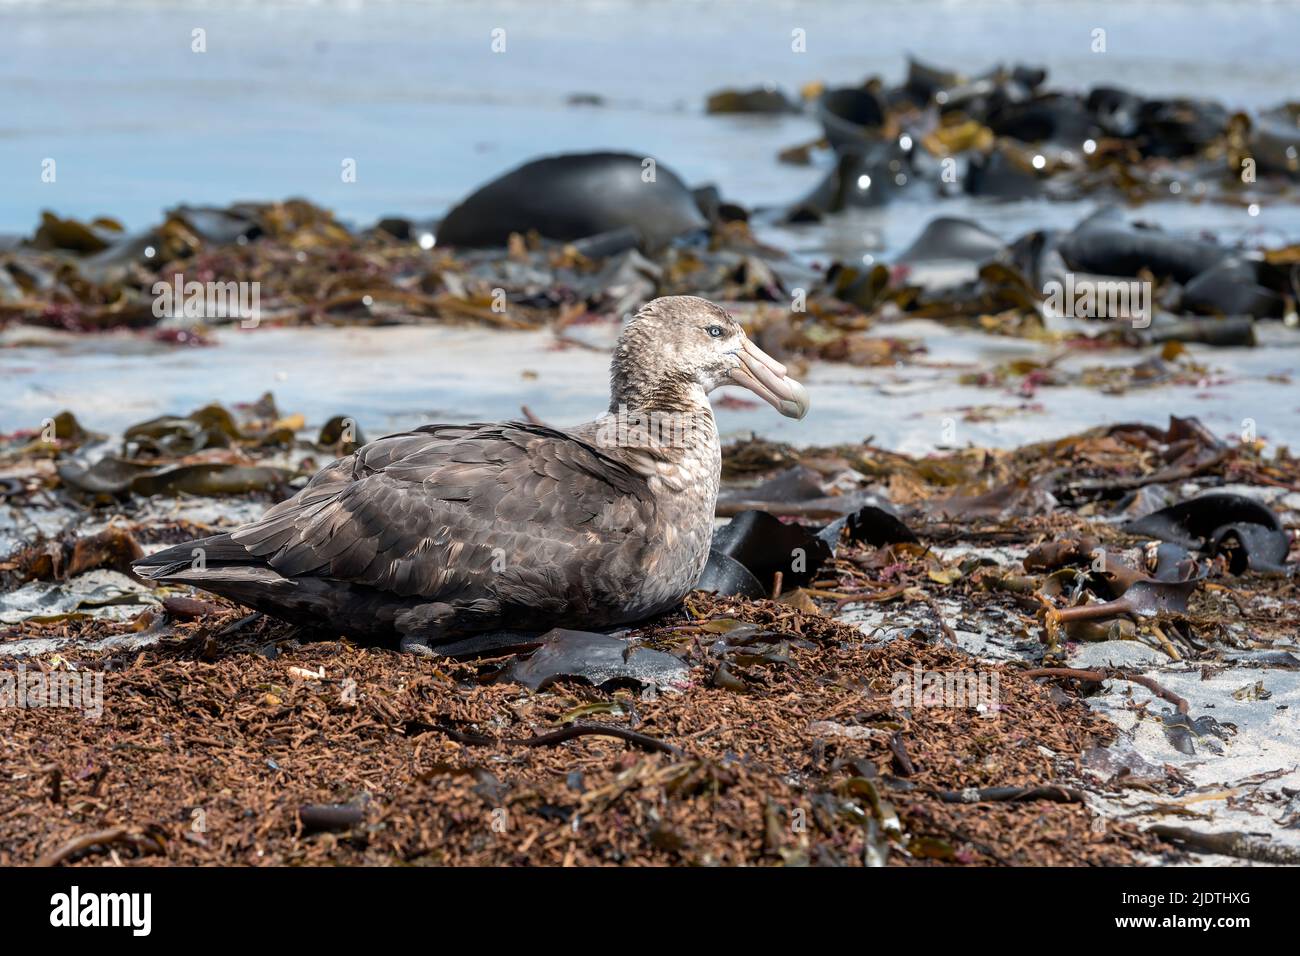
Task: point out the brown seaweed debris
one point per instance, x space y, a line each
212 451
271 752
310 269
57 560
1083 576
785 746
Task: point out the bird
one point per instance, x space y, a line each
427 536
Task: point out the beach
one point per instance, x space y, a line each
1036 265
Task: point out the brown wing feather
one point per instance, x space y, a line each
516 512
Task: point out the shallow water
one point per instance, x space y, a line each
414 93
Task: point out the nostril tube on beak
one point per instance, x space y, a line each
754 352
767 378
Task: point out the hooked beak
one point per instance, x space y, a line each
766 378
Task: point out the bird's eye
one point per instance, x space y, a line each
715 331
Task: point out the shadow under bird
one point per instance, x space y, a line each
450 530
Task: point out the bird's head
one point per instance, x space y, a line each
679 341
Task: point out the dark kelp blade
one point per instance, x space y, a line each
1251 546
1148 598
798 491
765 545
1173 563
852 117
211 479
725 576
951 238
167 436
598 659
873 524
1248 532
1190 523
862 178
748 552
796 483
108 476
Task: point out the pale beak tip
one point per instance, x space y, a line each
797 406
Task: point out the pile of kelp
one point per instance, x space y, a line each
65 490
1005 134
252 747
309 269
1093 497
211 451
1046 286
753 725
1124 532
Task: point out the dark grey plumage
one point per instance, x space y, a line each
451 529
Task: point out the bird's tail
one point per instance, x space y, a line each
189 561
